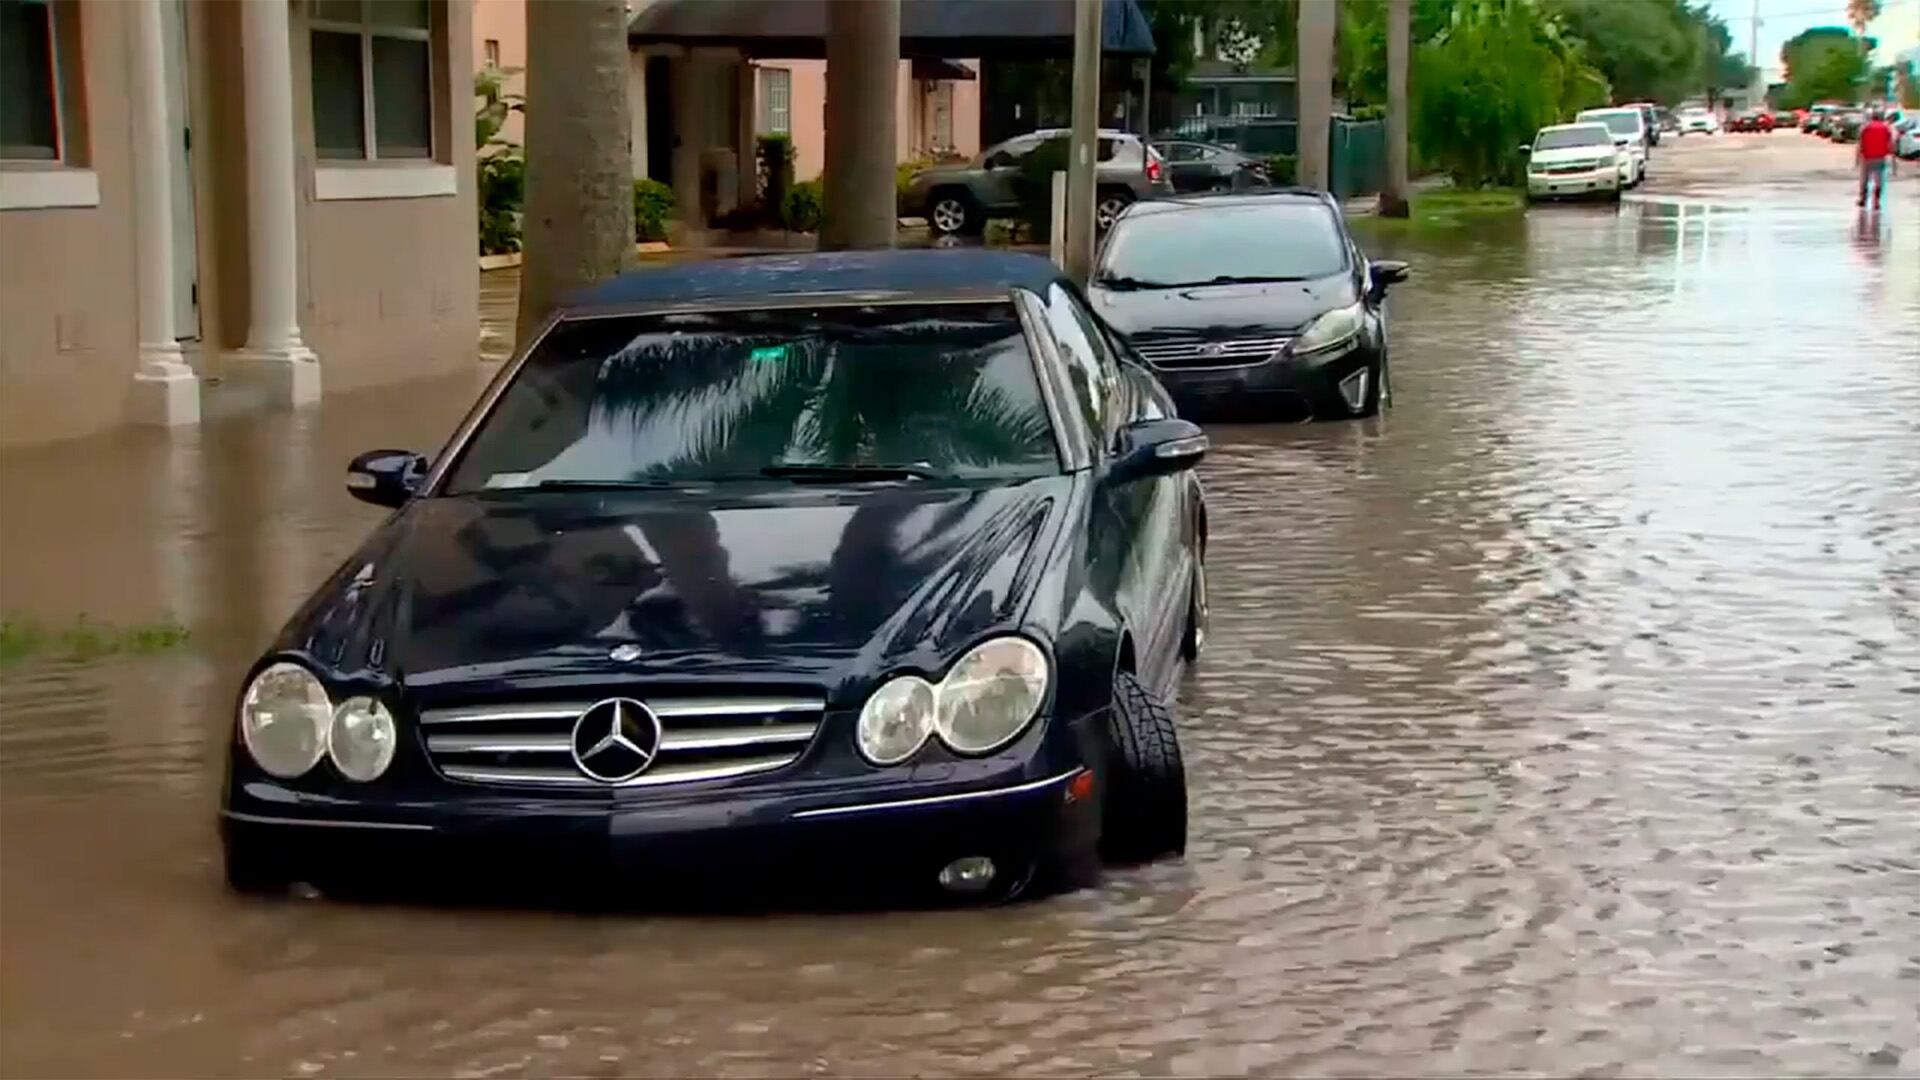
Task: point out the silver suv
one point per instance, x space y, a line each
961 198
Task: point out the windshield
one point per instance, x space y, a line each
1563 138
1278 239
937 389
1620 123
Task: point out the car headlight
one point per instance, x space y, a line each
991 695
1333 330
361 740
284 717
896 720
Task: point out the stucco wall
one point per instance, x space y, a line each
390 289
67 335
808 110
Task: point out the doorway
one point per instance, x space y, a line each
186 259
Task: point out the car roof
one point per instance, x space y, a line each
841 276
1575 124
1607 109
1203 200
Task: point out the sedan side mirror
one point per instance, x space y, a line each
385 477
1156 448
1386 272
1527 149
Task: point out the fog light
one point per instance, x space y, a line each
1354 389
971 874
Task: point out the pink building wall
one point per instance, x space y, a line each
505 22
913 130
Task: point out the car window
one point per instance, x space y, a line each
1284 238
1182 152
1620 123
721 395
1567 137
1011 151
1092 367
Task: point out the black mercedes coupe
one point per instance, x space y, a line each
823 567
1257 304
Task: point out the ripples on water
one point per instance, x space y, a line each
1566 721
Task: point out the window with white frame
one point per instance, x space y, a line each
372 79
776 101
35 121
492 49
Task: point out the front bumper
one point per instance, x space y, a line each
1284 387
1559 185
808 834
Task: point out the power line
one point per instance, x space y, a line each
1884 8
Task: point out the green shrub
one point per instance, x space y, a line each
652 206
1485 88
502 187
1368 112
774 153
1283 168
803 207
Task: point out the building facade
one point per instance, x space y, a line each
210 201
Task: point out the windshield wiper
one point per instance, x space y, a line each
805 471
1240 279
1130 283
608 484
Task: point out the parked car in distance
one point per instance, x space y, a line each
1906 139
1752 120
1629 130
962 198
1785 118
1259 303
1844 127
1698 121
1197 166
1815 117
864 567
1574 161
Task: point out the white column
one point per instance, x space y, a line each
165 390
274 354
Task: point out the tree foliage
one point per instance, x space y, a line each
1486 84
1824 63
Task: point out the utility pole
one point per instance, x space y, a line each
1083 146
1759 82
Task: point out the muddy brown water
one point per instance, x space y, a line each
1565 720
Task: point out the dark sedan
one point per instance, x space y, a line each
1257 302
813 568
1198 166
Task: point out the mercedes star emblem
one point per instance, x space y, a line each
1212 348
615 740
625 654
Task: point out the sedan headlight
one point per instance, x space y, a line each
991 695
896 720
284 717
1335 329
361 740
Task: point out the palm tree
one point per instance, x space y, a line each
1393 196
578 221
1319 21
1859 14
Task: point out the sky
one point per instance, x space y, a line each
1897 28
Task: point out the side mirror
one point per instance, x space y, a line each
1156 448
385 477
1386 272
1527 149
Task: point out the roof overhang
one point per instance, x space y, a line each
933 29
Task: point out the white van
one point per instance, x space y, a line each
1629 128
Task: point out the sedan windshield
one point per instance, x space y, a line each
1268 240
1569 137
836 394
1620 123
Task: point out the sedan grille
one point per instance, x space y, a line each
1192 353
1573 167
701 739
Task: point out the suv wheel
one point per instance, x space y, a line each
1144 814
1111 203
950 213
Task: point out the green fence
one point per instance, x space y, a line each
1357 157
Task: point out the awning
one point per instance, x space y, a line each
931 69
932 29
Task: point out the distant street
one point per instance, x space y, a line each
1565 720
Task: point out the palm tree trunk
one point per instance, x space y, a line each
1393 198
1319 20
863 60
578 222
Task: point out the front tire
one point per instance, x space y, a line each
1144 814
1112 202
951 213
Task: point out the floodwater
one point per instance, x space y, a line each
1567 720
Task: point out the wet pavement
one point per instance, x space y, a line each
1566 720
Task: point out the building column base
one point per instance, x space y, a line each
286 378
166 392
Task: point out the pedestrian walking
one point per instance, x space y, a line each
1874 156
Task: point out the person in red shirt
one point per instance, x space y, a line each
1874 156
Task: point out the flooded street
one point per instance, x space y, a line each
1566 720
